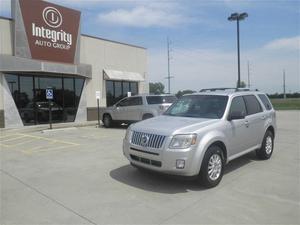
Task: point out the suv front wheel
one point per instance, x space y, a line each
267 146
107 121
211 172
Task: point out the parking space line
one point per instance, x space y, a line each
47 145
50 139
51 149
11 139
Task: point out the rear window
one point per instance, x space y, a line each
265 100
151 100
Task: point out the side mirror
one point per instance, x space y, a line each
236 115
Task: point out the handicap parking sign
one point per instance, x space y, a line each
49 94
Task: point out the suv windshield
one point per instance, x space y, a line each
199 106
151 100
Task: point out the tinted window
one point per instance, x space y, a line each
30 98
199 106
238 105
117 90
160 99
123 102
135 101
252 104
265 100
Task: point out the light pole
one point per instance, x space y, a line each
238 17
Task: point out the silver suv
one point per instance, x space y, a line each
202 132
136 108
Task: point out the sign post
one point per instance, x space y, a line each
49 96
98 95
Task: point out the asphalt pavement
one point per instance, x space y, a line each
80 176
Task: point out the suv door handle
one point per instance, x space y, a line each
263 117
247 123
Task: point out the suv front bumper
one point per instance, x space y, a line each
162 160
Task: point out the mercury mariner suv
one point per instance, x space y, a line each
202 132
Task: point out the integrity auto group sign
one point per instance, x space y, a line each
51 30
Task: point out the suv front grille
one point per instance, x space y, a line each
147 140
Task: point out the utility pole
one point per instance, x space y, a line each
284 94
169 58
248 75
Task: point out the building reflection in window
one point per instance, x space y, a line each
116 90
29 94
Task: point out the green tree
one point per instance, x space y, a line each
242 84
157 88
181 93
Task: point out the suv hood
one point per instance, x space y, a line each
169 125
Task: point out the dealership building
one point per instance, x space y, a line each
41 47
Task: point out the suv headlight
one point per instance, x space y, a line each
182 141
128 134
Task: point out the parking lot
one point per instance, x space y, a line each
80 176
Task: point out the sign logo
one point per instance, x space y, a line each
144 140
49 94
52 17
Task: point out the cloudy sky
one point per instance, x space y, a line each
203 41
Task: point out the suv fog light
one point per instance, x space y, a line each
180 163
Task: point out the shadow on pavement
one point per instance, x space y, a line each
161 183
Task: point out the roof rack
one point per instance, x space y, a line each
224 89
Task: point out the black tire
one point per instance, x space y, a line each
205 175
107 121
266 150
147 116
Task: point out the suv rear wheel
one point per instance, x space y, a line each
107 121
211 172
267 146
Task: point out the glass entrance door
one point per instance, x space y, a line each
42 104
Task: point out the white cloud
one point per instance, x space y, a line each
148 15
292 43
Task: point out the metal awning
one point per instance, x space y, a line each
122 75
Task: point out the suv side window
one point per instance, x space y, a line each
252 104
123 103
238 105
135 101
265 100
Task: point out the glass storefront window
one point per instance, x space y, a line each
13 84
26 100
116 90
30 98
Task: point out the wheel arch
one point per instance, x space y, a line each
104 114
210 139
271 129
222 146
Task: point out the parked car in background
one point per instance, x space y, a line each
42 112
202 132
136 108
